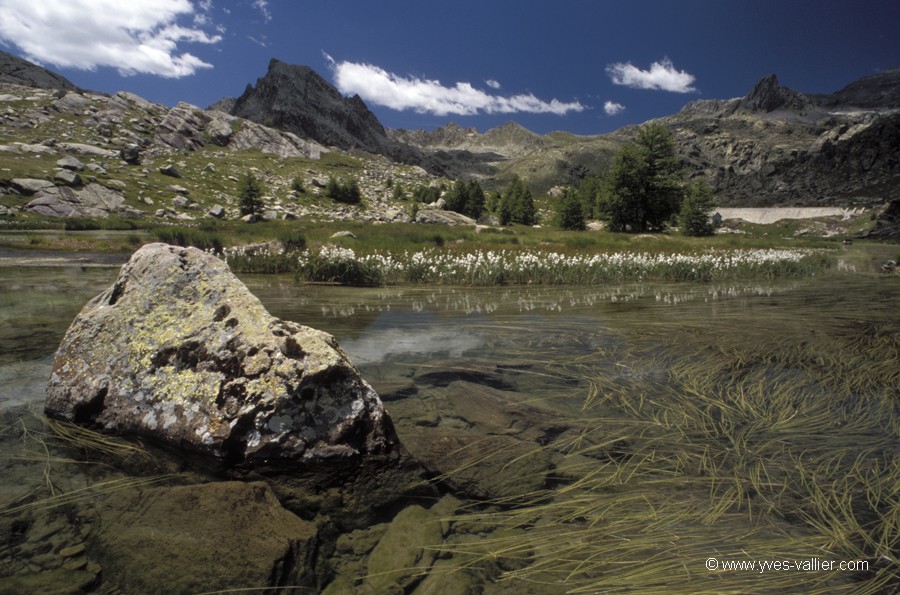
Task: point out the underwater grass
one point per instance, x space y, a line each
45 441
743 444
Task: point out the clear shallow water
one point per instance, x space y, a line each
510 367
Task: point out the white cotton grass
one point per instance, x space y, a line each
489 267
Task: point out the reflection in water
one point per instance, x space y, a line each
37 304
342 302
402 334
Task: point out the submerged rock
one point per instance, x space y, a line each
223 535
178 349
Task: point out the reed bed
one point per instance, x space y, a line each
449 266
743 445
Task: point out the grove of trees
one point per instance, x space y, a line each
466 198
517 204
645 189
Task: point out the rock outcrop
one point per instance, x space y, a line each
16 71
296 99
187 127
179 350
777 146
443 217
94 200
873 92
887 224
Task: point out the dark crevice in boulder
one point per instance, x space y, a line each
221 312
235 445
291 348
186 356
87 412
117 291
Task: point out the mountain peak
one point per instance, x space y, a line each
769 95
297 99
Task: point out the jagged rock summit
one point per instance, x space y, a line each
179 350
297 99
768 95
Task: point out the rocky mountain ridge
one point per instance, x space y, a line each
82 154
780 146
774 146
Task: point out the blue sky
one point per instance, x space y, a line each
577 65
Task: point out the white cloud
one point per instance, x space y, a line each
662 76
378 86
264 42
263 7
612 108
134 37
492 84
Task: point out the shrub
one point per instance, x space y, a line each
292 240
346 192
426 194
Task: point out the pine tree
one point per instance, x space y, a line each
569 213
694 218
589 192
643 188
457 197
250 195
474 200
517 204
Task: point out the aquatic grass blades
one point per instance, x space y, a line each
47 442
746 450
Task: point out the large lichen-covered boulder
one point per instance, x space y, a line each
178 349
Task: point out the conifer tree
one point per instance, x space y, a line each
250 195
643 188
517 204
694 218
569 211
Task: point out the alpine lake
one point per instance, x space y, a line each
673 438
